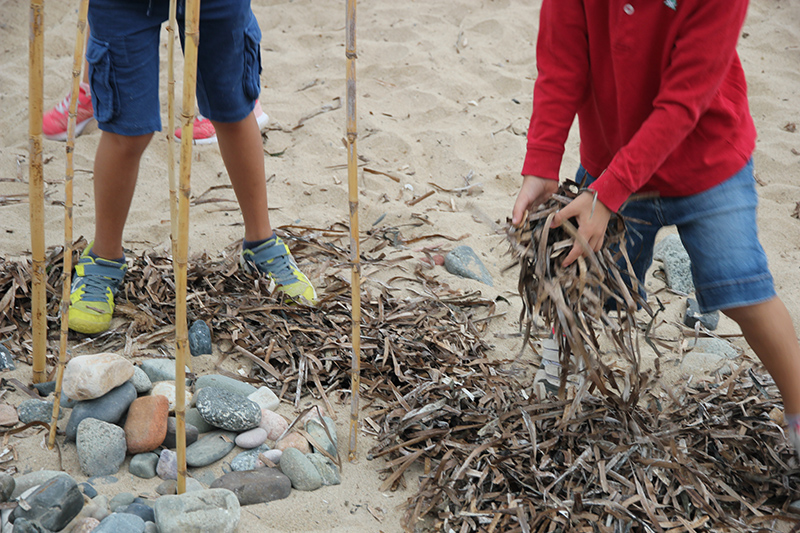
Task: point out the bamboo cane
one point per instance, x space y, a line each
173 195
355 255
192 39
77 64
36 189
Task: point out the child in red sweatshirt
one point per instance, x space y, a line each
661 101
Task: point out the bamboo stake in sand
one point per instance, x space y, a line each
36 189
173 195
180 260
355 255
77 63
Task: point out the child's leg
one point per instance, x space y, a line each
116 167
243 154
769 331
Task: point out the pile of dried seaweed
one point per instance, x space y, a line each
487 456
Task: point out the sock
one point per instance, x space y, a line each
249 245
791 419
95 257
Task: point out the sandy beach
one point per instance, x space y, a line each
444 98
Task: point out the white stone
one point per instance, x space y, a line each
265 398
167 388
87 377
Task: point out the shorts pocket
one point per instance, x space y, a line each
105 98
251 78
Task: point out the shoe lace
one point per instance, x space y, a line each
63 106
281 269
95 288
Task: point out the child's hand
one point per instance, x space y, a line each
591 225
533 192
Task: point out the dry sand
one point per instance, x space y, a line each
444 92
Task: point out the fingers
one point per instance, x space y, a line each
520 206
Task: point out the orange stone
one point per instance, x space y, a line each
146 426
293 440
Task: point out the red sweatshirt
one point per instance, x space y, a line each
658 88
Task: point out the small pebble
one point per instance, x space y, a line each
273 423
251 439
293 440
300 470
199 338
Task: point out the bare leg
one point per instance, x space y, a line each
116 167
768 329
243 154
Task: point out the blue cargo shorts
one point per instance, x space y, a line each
123 57
718 230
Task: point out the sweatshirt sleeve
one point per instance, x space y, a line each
562 57
700 59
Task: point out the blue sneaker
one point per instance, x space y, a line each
274 260
94 286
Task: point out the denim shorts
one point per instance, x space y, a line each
718 230
123 57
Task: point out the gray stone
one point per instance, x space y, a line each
224 382
145 512
159 369
327 469
712 346
123 499
170 486
193 418
317 431
210 448
120 523
206 511
7 485
199 338
27 481
6 359
101 447
150 527
256 486
46 388
248 460
141 381
53 505
102 480
463 261
37 410
169 440
206 476
108 408
300 470
144 465
693 316
167 467
677 265
87 489
227 410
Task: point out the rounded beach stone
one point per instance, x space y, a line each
87 377
314 427
300 470
251 438
293 440
167 388
256 486
101 447
37 410
159 369
169 440
317 411
146 425
167 467
85 525
214 510
120 523
224 382
273 423
39 477
53 504
108 408
265 398
227 410
144 465
7 485
6 359
249 460
145 512
8 415
210 448
327 469
123 499
274 456
464 262
199 338
141 381
193 417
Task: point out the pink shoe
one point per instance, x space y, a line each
54 122
204 133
